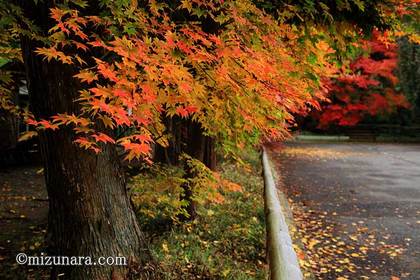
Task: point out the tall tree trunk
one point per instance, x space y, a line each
89 211
200 146
187 137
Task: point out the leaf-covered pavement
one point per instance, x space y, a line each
23 219
355 208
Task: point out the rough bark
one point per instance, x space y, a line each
89 211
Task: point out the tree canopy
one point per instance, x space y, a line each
370 89
241 69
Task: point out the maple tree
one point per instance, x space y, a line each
370 89
213 79
104 75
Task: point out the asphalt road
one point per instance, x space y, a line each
369 185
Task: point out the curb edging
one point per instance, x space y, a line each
282 258
335 138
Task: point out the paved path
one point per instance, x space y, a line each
23 219
365 194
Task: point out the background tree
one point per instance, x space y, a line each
369 91
409 71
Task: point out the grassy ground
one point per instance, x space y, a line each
227 241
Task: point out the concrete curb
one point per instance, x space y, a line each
282 259
344 138
338 138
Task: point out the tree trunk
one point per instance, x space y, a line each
186 137
89 211
200 147
188 195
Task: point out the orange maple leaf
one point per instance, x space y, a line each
57 13
86 76
101 137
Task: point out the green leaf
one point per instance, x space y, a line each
312 58
3 61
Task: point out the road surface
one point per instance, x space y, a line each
23 220
356 207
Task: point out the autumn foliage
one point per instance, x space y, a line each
230 66
369 89
242 81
